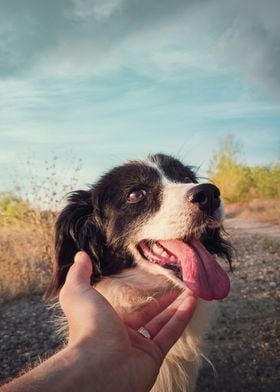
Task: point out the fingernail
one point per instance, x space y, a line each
78 256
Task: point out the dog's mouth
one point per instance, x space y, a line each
192 263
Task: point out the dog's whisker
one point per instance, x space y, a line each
118 239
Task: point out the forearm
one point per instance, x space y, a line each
64 371
75 368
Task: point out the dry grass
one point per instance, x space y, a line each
26 231
261 210
25 256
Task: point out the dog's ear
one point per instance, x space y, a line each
77 228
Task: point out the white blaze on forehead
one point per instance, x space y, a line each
171 221
154 165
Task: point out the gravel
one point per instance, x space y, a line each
27 335
243 345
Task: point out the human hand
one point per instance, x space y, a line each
110 351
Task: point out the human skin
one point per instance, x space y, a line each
104 352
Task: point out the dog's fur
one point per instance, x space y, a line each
142 200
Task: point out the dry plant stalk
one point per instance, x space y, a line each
26 232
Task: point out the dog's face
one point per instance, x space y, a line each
148 211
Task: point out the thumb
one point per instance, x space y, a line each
80 272
78 277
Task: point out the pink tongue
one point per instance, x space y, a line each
201 272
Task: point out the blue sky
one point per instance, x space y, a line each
108 80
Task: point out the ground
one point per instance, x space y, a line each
243 344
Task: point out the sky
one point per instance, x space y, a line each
88 84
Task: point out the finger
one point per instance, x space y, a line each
141 317
156 323
175 326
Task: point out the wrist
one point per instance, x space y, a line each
78 368
96 369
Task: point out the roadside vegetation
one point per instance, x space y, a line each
25 247
26 231
252 192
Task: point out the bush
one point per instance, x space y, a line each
239 182
12 209
266 181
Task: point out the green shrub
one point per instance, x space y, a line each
239 182
266 181
12 209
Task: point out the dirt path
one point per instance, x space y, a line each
243 345
251 227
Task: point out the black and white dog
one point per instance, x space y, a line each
151 224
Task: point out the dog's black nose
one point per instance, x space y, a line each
206 196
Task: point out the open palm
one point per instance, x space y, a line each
131 360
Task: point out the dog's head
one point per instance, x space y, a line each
146 211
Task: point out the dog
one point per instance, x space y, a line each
149 227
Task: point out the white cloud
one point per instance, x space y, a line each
161 40
98 9
252 44
158 39
115 79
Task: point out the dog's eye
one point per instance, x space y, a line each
136 196
187 180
